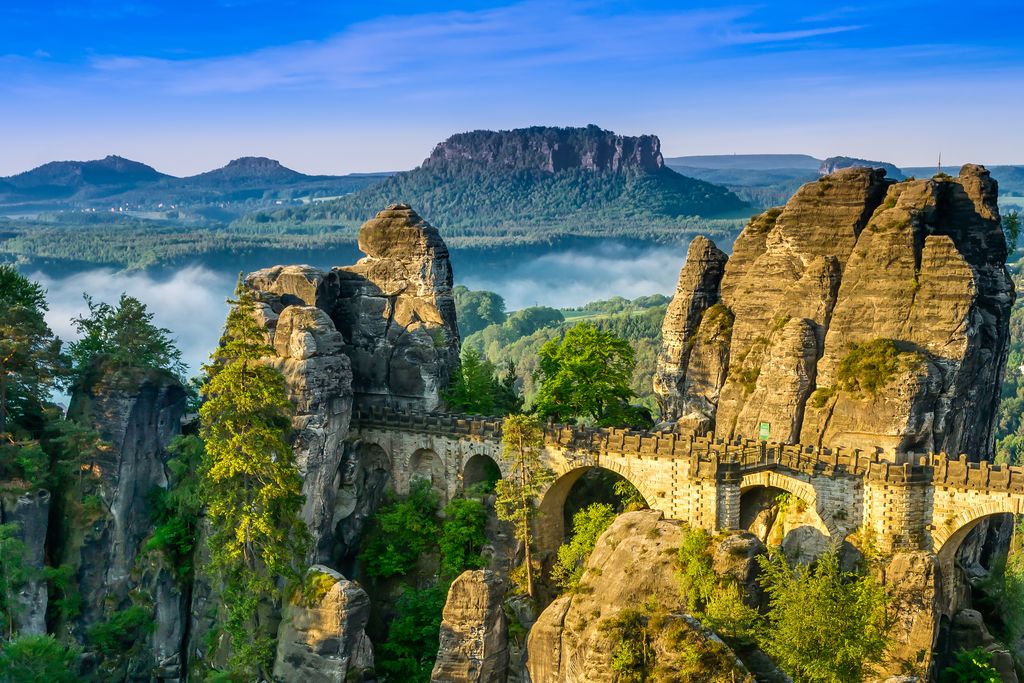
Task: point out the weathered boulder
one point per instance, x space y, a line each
322 638
696 292
30 511
474 634
633 563
911 580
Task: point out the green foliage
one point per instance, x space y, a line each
522 439
463 534
970 666
632 651
250 484
402 530
64 597
587 525
122 337
697 579
1002 590
868 367
476 309
38 659
586 377
630 498
30 359
1009 423
476 388
824 624
12 575
121 631
314 588
408 653
175 510
1011 229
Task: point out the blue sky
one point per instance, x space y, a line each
333 87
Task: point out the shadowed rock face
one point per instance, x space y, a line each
852 259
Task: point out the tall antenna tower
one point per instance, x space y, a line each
939 169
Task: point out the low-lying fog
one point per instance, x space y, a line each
191 301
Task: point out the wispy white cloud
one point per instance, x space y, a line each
392 51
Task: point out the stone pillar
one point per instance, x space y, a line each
895 507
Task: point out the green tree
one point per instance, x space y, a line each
38 659
251 485
586 376
408 653
30 359
476 309
175 510
12 575
463 534
587 525
824 624
402 531
476 389
121 337
522 439
1011 228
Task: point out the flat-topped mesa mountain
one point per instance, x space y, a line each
65 178
250 169
833 164
551 149
532 183
864 313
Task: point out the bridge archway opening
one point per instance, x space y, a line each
575 490
784 519
426 465
481 471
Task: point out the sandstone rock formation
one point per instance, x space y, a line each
632 564
322 638
833 164
552 149
853 267
696 292
394 310
474 635
137 416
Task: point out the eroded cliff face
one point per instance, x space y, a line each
137 416
552 149
854 268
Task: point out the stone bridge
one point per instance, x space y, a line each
927 502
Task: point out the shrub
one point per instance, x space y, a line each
408 653
697 578
462 536
402 530
587 525
970 666
38 659
870 366
121 631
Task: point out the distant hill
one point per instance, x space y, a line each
747 162
242 185
495 185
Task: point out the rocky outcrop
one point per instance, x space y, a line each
551 150
633 564
137 414
853 274
29 511
322 638
696 292
474 634
394 309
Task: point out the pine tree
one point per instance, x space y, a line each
30 360
522 446
251 486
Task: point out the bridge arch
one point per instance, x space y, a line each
480 468
800 489
949 534
425 463
551 527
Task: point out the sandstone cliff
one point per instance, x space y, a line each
474 644
864 313
552 149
